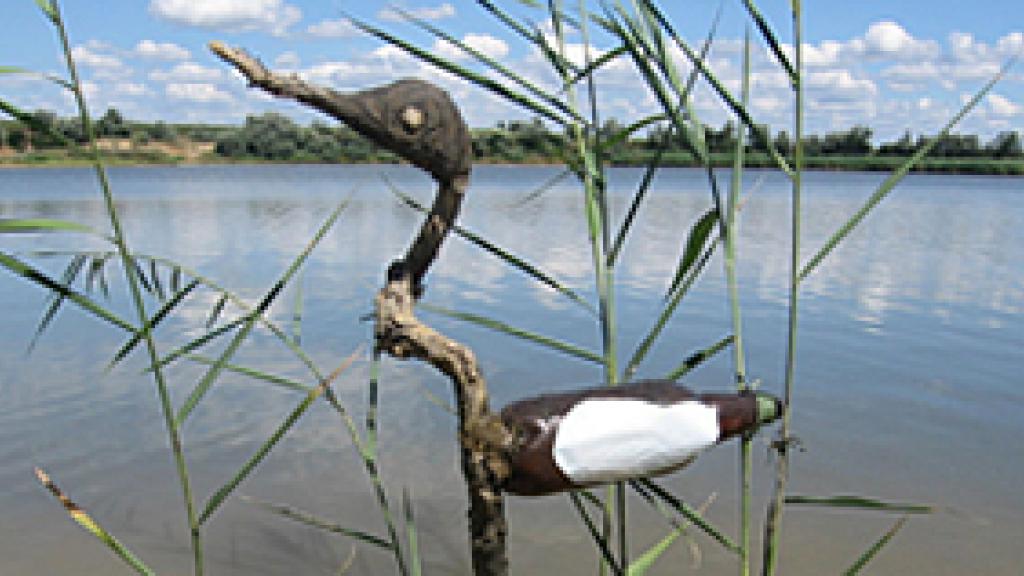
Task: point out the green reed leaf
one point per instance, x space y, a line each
634 207
858 503
26 72
199 342
309 519
699 357
30 225
887 186
82 518
216 311
772 40
56 299
498 326
221 494
741 112
411 536
666 313
480 80
49 10
255 374
32 122
684 509
32 274
599 539
224 491
502 254
250 319
641 565
492 64
873 551
152 323
695 245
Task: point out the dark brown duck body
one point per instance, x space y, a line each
538 421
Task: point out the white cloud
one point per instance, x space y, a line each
289 59
890 40
486 44
187 72
161 50
340 28
197 92
445 10
1002 106
836 85
270 15
90 57
131 89
1011 44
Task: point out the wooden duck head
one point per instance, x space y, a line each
601 435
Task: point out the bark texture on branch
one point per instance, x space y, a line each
419 122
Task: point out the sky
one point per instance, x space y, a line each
890 65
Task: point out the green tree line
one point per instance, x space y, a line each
275 137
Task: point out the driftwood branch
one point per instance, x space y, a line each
420 123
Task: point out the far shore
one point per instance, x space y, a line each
981 166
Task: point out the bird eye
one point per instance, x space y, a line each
412 119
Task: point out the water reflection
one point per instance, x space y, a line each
909 327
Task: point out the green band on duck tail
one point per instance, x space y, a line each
768 409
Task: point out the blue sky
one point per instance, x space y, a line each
891 65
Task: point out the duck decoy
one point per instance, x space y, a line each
599 435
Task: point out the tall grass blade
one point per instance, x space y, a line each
297 305
32 274
24 71
532 36
490 63
197 343
696 242
308 519
772 40
154 278
502 254
595 533
82 518
255 374
166 408
480 80
597 64
416 565
641 565
160 315
216 311
543 188
634 206
873 551
32 122
670 307
56 299
218 498
250 319
28 225
96 276
699 357
49 10
763 137
498 326
885 187
687 511
858 503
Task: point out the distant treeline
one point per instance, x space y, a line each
275 137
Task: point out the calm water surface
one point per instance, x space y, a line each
908 379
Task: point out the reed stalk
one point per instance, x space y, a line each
772 536
131 272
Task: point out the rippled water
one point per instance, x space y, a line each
908 383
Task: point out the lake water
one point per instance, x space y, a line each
908 384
